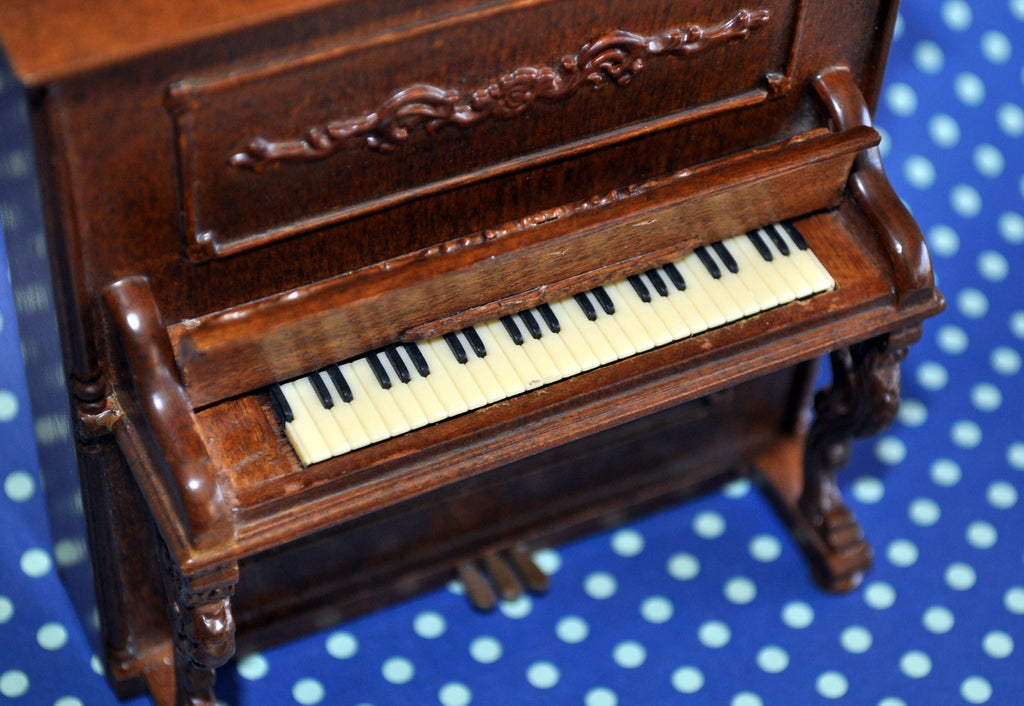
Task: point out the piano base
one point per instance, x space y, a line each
586 485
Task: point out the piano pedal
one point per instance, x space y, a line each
501 575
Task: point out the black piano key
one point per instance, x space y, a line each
605 301
458 350
794 234
726 257
675 276
418 361
640 288
548 314
282 410
761 246
588 308
657 282
513 331
320 387
475 342
777 240
401 369
709 262
379 371
338 378
531 323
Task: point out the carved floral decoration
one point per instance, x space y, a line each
616 58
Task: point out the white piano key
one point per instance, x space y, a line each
403 396
477 367
454 397
707 295
808 262
550 355
613 333
787 268
302 432
346 417
569 313
638 320
735 286
683 302
509 363
463 380
381 399
576 341
778 291
420 387
675 324
321 417
373 423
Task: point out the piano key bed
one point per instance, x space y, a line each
407 386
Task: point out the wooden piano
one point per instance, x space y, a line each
354 298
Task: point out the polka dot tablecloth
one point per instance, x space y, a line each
708 602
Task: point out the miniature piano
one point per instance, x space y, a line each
355 298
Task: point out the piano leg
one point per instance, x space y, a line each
203 628
862 400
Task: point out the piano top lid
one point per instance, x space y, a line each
49 40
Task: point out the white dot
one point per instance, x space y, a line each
714 634
960 576
952 339
548 560
868 490
627 543
912 412
957 15
517 608
765 548
308 691
454 694
924 512
398 670
740 590
832 685
572 629
772 659
97 665
902 553
1017 8
1011 119
945 472
919 172
996 47
600 585
944 130
986 397
997 644
976 690
928 57
966 434
485 649
1013 601
892 701
253 666
969 88
885 142
965 200
916 664
429 624
19 486
36 563
8 406
738 488
931 376
1011 227
879 595
68 701
1005 361
856 639
342 645
981 535
6 609
746 698
1001 495
709 524
988 160
683 566
629 654
901 99
944 240
890 450
797 615
657 610
13 683
687 680
52 636
972 303
542 675
938 620
993 266
600 696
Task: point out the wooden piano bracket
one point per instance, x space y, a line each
900 234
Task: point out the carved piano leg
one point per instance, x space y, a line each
203 630
863 400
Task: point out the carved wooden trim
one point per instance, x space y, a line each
616 57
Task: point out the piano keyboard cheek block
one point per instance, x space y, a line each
350 302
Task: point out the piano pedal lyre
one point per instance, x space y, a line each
501 575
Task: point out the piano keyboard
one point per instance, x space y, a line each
406 386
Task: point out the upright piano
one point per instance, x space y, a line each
354 298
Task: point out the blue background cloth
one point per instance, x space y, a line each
709 602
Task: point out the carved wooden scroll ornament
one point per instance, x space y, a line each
616 57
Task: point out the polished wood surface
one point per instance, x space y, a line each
242 193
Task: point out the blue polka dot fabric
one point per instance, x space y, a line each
708 602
